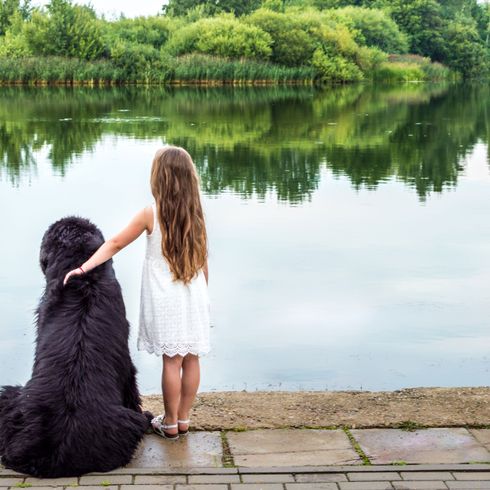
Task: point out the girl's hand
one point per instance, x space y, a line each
74 272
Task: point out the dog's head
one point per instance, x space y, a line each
67 244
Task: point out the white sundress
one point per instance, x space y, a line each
174 317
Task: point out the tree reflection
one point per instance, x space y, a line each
253 141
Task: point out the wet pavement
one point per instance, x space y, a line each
288 459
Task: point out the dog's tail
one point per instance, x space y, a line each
99 441
9 396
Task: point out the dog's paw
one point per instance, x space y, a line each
149 417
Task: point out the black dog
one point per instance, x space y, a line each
80 412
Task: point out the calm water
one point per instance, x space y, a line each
349 229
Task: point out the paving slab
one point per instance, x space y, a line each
471 475
195 479
378 476
365 485
257 486
106 480
426 475
281 447
51 482
216 486
319 477
143 487
420 485
482 436
439 445
469 485
10 482
195 449
311 486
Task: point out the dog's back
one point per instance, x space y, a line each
80 411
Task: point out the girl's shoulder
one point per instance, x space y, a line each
150 217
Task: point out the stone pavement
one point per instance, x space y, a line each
288 459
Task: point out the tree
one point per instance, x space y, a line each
466 50
222 36
373 27
291 45
179 8
424 22
8 8
67 30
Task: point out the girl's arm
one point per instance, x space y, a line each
134 229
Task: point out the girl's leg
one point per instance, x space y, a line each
171 389
190 385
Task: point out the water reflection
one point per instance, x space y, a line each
253 141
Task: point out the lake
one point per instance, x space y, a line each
349 227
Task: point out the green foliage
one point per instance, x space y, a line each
399 72
203 67
8 8
372 27
66 30
291 45
466 51
336 40
13 44
211 7
154 31
335 68
424 23
222 36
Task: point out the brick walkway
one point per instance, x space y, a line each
379 477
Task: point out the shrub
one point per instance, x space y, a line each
372 27
335 68
154 31
399 71
67 30
222 36
291 45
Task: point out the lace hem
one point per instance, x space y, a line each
171 350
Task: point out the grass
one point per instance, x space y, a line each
227 458
23 485
412 68
189 69
409 426
399 463
357 447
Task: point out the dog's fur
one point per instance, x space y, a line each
80 411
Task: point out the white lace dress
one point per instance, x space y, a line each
174 317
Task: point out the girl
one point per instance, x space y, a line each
174 312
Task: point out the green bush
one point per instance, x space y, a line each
154 31
291 45
335 68
222 36
372 27
466 51
399 72
67 30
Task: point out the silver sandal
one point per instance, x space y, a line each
159 427
183 432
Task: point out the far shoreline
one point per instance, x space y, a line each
408 409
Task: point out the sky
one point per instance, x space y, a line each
112 8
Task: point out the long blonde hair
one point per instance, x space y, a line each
175 187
